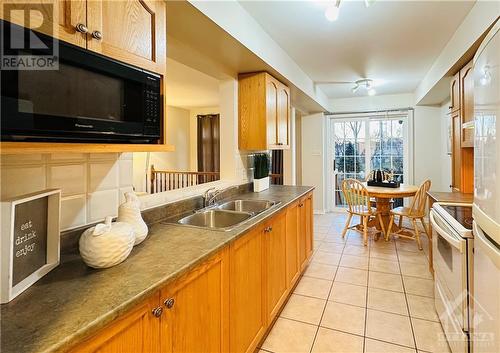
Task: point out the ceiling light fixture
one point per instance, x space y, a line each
367 84
368 3
485 79
332 11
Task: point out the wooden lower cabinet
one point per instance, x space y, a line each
227 303
292 244
275 264
246 298
136 332
196 310
308 205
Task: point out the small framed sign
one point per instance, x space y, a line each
30 240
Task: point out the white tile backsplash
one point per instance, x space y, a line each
101 204
92 185
70 178
67 157
126 172
22 179
22 159
103 175
101 156
73 212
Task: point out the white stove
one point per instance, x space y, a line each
452 244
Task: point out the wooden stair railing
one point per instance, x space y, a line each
165 180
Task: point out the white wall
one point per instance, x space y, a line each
235 20
234 163
178 134
92 185
429 152
313 157
481 16
357 104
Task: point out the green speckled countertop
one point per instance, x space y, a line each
74 301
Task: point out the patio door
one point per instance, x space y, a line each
361 144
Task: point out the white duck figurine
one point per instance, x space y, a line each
107 244
130 212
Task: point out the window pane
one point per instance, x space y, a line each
349 148
397 128
339 163
397 165
349 165
375 163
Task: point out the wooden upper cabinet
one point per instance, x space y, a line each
455 92
283 115
132 31
246 299
276 285
264 112
59 18
272 89
467 105
137 331
196 311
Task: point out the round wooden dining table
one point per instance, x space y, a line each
383 198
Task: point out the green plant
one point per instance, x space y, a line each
261 165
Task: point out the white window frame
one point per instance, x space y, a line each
408 149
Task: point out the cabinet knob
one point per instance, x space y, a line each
81 28
157 311
169 303
301 204
268 229
97 35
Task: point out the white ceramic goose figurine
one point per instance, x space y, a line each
130 212
107 244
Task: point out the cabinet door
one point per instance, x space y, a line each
467 104
247 314
455 92
196 314
271 111
302 234
58 19
308 205
138 332
456 127
275 240
283 116
132 31
292 245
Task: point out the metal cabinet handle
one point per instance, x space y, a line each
81 28
157 311
97 35
169 303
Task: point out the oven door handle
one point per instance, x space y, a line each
459 244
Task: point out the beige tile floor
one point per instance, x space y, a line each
356 299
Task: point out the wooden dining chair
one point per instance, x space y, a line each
415 212
358 202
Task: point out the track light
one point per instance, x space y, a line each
368 3
485 79
332 11
367 84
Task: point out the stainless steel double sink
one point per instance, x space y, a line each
227 215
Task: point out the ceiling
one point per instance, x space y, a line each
392 42
189 88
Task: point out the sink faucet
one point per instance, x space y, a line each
210 195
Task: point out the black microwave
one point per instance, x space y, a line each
88 98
